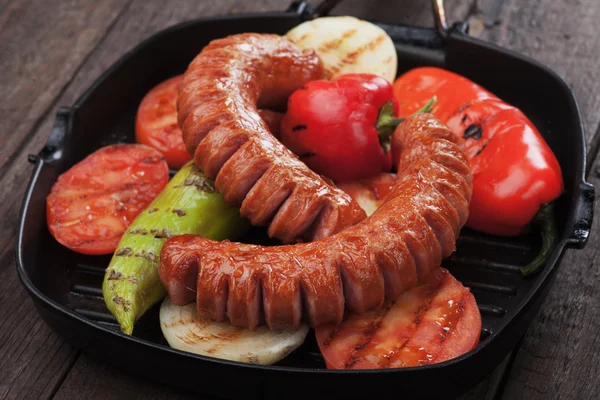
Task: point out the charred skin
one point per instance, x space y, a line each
222 129
356 269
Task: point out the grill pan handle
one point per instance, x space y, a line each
439 14
53 148
583 216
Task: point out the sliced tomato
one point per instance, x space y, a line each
370 193
91 205
156 122
434 322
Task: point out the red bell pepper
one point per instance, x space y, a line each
515 174
332 126
342 128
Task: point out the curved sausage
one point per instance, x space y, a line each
222 129
356 269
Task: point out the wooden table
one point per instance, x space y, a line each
52 50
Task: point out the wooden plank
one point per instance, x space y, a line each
560 354
562 34
491 386
40 54
92 379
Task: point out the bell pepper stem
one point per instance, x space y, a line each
549 232
387 122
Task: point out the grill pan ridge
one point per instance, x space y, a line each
66 286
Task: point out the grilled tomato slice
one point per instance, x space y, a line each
434 322
156 122
91 205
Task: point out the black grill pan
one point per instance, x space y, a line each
66 286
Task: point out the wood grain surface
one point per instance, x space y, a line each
51 51
560 355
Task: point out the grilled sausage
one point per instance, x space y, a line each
222 129
356 269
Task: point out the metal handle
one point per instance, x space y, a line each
325 6
584 216
439 14
53 148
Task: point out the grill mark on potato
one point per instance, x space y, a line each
177 322
351 57
214 348
191 338
335 43
300 39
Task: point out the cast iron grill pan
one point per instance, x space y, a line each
66 286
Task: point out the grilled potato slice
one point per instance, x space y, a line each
348 45
185 330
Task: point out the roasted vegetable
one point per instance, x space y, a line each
156 122
433 322
188 204
348 45
93 203
185 330
333 126
516 176
514 170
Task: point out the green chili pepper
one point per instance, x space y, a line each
188 204
544 218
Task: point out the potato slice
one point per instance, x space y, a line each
348 45
185 330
